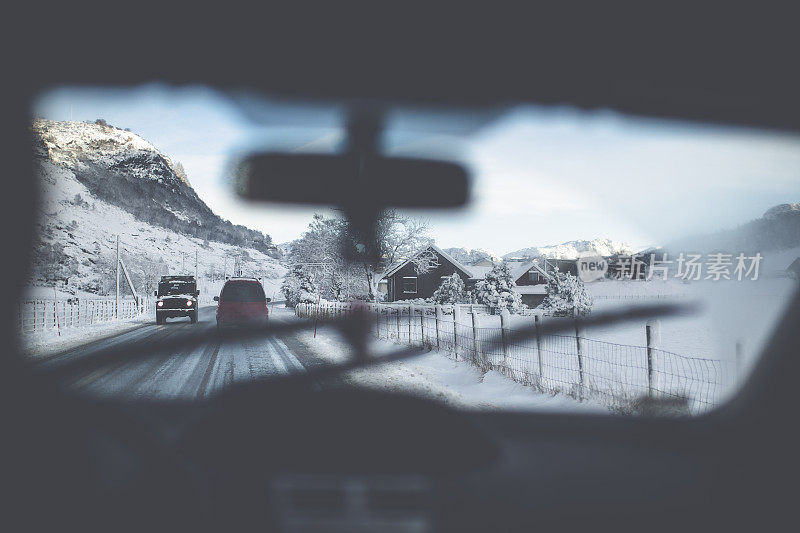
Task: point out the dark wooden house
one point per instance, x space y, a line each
403 282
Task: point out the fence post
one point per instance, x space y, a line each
580 357
422 326
652 332
438 318
474 332
456 320
410 321
399 310
536 324
378 320
505 317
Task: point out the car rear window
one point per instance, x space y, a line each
243 292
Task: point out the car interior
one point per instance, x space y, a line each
293 453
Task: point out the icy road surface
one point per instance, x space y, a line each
190 373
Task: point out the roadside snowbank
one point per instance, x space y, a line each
52 341
432 375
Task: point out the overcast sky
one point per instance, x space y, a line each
541 176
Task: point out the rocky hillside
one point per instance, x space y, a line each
122 169
98 182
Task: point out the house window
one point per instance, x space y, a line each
409 285
534 276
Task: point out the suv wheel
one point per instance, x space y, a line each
159 319
193 317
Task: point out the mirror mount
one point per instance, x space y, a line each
361 181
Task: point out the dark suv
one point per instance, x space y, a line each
176 296
242 302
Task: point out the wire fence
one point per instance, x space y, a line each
617 375
34 316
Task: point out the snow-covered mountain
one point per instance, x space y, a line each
571 249
123 169
98 182
467 256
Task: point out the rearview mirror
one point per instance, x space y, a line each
319 179
155 293
197 293
216 298
269 300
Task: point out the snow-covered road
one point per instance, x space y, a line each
136 364
194 372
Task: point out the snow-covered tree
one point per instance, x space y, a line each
298 287
425 261
451 291
497 290
566 296
319 251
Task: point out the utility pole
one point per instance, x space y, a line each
195 266
116 300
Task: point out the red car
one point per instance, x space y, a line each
242 302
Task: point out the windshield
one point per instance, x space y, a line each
573 215
242 292
168 288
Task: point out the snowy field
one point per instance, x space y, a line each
692 355
696 350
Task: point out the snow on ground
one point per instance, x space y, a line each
704 337
432 375
52 341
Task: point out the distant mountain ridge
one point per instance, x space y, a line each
571 249
467 256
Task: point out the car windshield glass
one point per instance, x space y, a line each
242 292
175 287
573 214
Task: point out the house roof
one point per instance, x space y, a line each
466 270
479 272
524 267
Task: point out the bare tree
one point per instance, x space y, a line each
342 262
398 238
320 253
